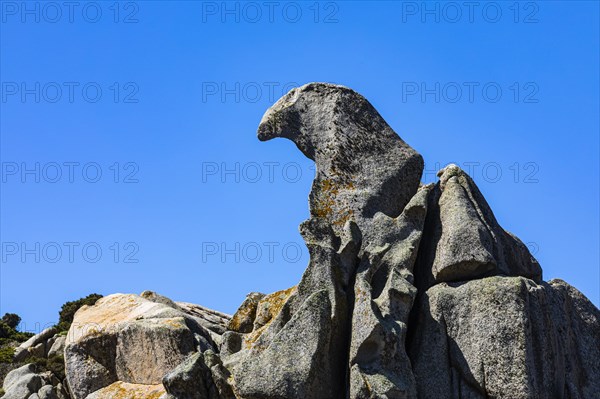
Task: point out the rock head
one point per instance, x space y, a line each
362 165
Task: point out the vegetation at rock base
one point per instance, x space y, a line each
67 312
6 354
55 363
5 330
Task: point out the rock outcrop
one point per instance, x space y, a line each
411 291
27 382
130 342
506 337
37 346
200 376
301 353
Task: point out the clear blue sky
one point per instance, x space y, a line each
169 95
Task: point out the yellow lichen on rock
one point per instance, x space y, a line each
328 205
268 308
123 390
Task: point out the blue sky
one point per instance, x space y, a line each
129 151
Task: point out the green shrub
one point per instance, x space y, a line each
10 334
21 336
6 354
55 363
67 312
11 319
5 330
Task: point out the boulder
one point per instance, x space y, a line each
243 320
162 342
34 346
22 383
48 344
57 347
39 338
201 376
20 355
48 392
295 362
213 321
464 240
267 308
38 350
505 337
123 390
121 335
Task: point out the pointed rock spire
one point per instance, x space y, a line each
465 241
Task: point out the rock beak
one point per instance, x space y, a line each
265 131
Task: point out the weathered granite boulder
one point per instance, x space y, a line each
125 390
506 337
190 380
51 392
36 346
243 320
129 339
213 321
463 239
22 382
27 382
58 346
200 376
268 307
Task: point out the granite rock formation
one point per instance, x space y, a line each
411 291
506 337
